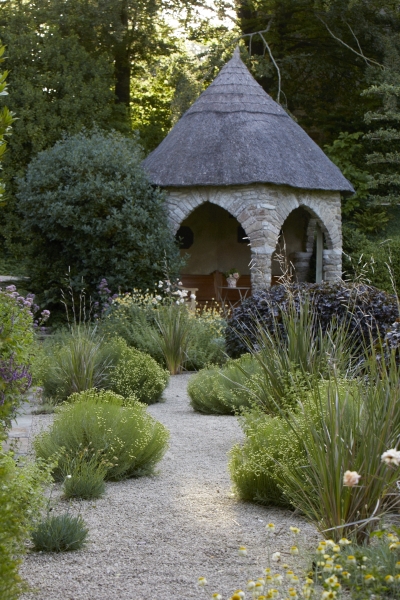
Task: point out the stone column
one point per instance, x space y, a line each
332 264
301 264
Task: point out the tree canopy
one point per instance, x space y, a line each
88 210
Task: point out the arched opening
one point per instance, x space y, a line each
218 245
299 251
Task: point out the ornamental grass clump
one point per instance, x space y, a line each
173 325
137 375
76 361
125 439
60 533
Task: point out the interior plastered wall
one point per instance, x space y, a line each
262 210
215 246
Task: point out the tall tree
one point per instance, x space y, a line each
321 78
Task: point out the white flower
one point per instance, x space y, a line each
270 527
294 550
69 476
193 296
202 581
242 551
391 457
276 557
351 478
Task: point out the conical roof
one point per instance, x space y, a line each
235 134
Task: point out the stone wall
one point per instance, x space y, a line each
262 211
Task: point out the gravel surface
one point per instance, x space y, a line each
153 537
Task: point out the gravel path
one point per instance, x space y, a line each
153 537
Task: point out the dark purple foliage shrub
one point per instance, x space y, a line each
367 311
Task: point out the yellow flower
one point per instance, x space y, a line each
294 530
242 551
267 570
397 577
351 559
202 581
344 542
292 593
338 568
270 527
321 549
240 593
336 548
369 578
216 596
394 546
389 578
278 578
346 575
294 550
328 595
331 580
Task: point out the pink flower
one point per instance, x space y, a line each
351 478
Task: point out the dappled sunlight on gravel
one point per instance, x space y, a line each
153 537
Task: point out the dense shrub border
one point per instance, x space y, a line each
366 309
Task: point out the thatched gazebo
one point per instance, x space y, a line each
245 183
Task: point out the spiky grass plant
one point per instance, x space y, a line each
296 355
173 325
76 362
126 439
61 533
346 436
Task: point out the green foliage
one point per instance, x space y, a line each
6 117
127 440
253 465
138 375
225 391
16 342
60 533
173 323
87 206
384 139
271 447
84 478
76 361
134 317
21 498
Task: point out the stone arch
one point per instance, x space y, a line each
261 210
300 258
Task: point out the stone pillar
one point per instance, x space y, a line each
332 264
261 260
301 264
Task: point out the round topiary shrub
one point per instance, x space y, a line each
224 391
366 310
138 375
126 440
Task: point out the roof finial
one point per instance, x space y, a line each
236 53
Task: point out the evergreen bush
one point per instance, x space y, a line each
87 208
126 439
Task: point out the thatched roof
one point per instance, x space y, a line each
235 134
